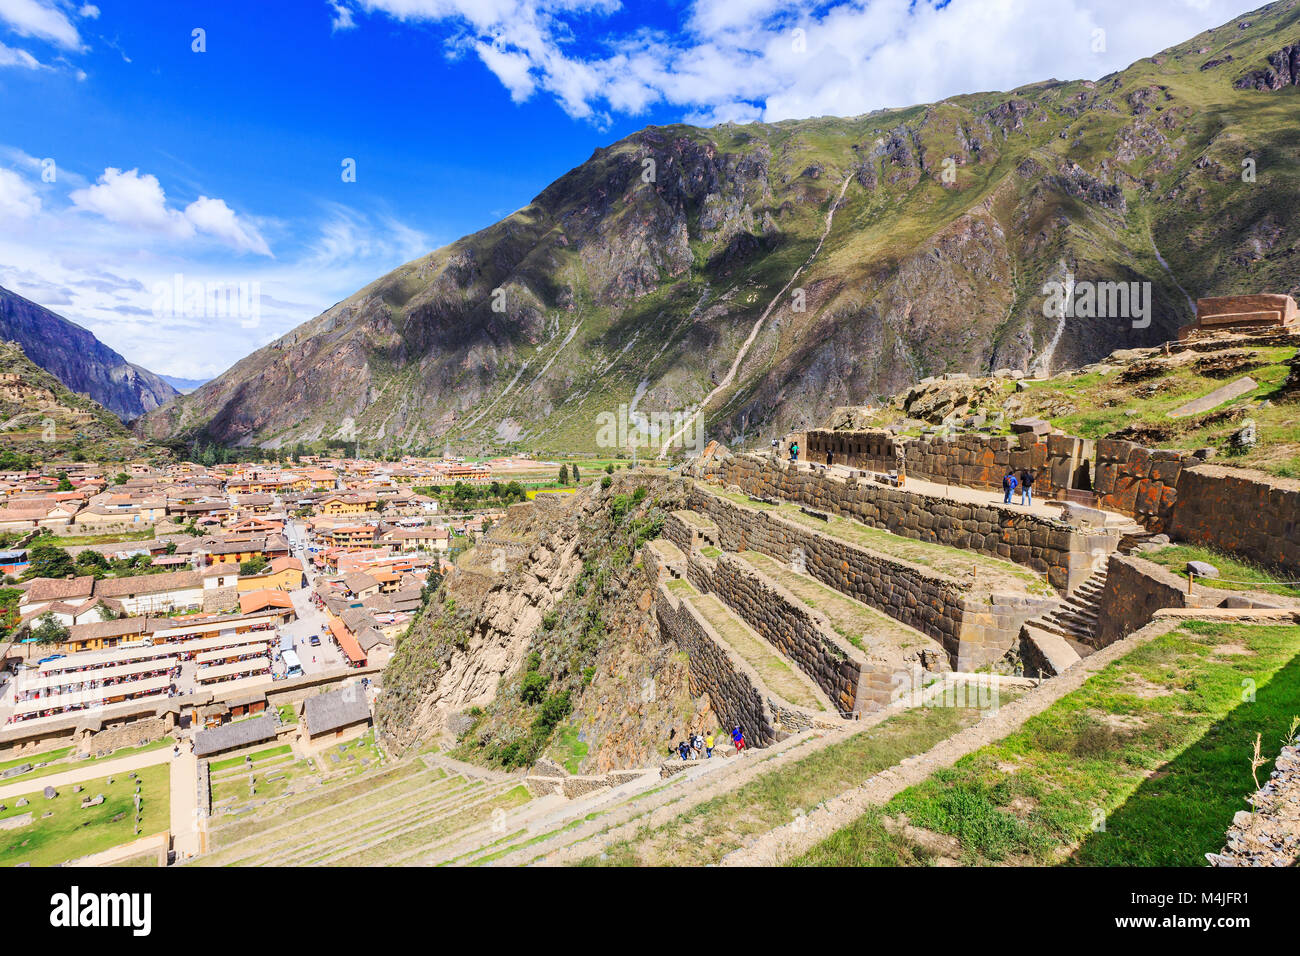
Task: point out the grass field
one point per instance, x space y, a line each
1144 765
71 541
706 833
1235 574
58 761
71 832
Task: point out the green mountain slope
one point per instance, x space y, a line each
42 420
611 290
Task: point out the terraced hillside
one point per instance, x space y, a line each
41 419
779 270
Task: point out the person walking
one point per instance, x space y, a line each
830 457
1008 487
1026 487
738 738
794 451
708 745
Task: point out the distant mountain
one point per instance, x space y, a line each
184 385
79 360
770 272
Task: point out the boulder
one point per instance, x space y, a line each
1202 570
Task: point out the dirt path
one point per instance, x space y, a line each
790 840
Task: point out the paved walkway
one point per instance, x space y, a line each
189 827
89 771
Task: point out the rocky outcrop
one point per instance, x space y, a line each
79 360
1285 71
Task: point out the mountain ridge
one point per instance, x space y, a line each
79 360
633 280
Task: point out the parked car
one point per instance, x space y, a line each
314 640
52 657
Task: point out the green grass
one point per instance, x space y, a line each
1156 746
1235 574
49 756
72 832
63 763
70 541
260 755
569 750
707 832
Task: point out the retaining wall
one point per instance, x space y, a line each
836 666
1066 555
736 692
1243 512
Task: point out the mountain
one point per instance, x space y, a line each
41 419
79 360
183 385
769 272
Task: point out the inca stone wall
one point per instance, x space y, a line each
716 670
1065 554
1242 512
1138 481
836 666
972 631
1135 589
137 733
970 460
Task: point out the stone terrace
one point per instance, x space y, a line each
1066 553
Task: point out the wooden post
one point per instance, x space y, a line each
1190 575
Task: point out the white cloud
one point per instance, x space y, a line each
12 56
342 16
30 18
100 262
130 199
743 60
18 200
215 218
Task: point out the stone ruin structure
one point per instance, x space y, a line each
1243 314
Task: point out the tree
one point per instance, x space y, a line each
564 474
121 478
49 631
49 561
253 565
576 479
90 562
64 483
609 469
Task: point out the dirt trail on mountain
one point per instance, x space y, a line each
758 325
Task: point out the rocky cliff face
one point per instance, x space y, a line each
658 274
542 642
79 360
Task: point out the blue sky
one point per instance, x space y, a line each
127 157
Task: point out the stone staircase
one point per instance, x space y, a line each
1059 639
1075 620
